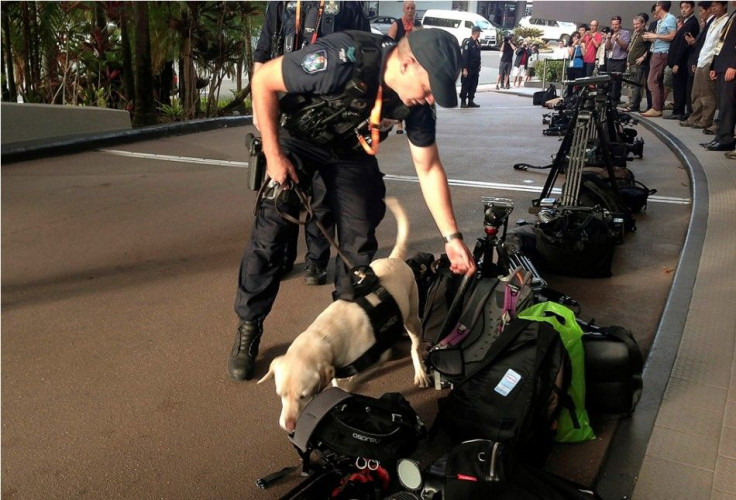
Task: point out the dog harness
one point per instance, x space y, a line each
388 325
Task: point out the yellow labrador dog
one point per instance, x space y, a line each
343 332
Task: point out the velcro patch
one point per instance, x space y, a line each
315 62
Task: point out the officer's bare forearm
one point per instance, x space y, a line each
436 192
267 83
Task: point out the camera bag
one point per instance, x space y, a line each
613 370
578 243
353 425
632 193
526 483
541 97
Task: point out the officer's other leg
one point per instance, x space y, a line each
463 91
258 283
290 250
355 193
472 86
318 247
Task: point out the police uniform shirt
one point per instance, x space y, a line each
471 58
325 67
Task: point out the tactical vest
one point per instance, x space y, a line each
335 120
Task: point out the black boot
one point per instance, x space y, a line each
463 104
472 104
242 363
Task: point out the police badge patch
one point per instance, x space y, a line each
315 62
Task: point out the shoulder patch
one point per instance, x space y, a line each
315 62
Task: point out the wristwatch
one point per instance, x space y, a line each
453 236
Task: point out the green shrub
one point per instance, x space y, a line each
552 71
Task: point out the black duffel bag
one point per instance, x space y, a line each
577 243
613 370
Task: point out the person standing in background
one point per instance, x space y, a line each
507 57
724 69
470 63
575 68
661 40
638 53
704 99
677 60
591 41
618 43
279 35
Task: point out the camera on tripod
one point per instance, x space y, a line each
496 214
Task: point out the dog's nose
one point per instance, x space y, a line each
290 425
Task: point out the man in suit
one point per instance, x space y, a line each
723 70
677 61
704 99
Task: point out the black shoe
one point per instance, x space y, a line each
286 268
471 104
708 131
719 146
315 275
463 104
242 363
673 116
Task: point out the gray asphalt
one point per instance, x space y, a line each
119 274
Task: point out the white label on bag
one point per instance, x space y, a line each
508 382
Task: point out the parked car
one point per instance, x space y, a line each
382 24
551 30
459 24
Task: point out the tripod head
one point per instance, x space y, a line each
496 214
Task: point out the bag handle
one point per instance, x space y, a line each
314 412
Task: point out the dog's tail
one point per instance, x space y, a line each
402 229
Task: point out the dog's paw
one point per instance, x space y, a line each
421 380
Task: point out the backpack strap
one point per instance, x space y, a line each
313 414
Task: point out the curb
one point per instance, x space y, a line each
30 150
622 464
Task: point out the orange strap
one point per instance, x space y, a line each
298 24
374 126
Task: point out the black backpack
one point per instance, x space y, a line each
539 98
515 398
461 348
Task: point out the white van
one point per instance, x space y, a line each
459 24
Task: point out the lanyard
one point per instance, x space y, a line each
374 126
315 34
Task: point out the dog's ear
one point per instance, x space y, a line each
271 370
327 373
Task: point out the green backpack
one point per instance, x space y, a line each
563 321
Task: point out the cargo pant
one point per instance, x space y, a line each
703 99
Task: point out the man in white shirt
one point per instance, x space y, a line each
703 97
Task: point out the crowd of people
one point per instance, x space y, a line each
691 56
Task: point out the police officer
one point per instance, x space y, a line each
279 35
471 69
338 93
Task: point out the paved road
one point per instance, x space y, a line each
119 271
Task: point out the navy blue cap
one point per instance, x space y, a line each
438 53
